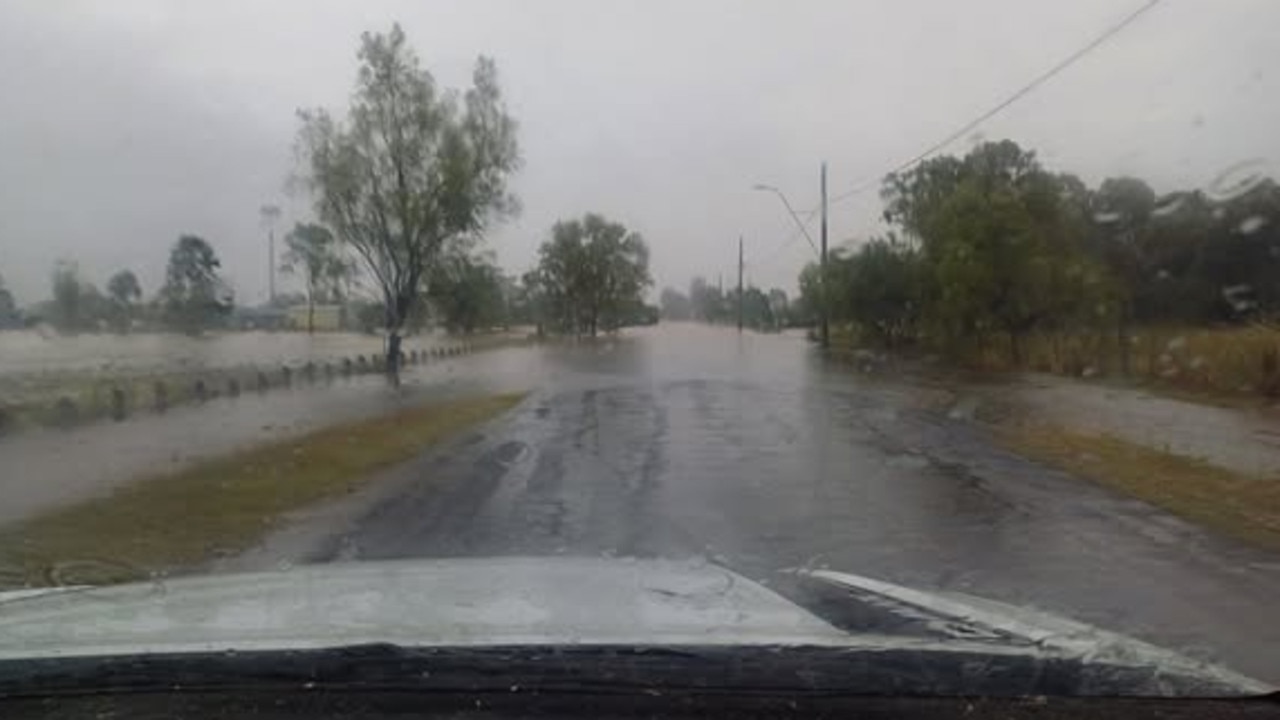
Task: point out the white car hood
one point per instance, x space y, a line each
531 601
499 601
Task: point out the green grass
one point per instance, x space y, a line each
1241 506
222 506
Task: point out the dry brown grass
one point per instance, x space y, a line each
222 506
1237 505
1219 364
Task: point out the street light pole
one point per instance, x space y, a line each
790 210
739 284
270 214
824 331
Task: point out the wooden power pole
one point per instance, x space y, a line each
822 267
739 283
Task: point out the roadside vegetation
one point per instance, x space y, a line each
1233 504
993 260
72 397
224 506
591 276
761 311
404 186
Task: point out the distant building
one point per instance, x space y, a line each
258 318
327 318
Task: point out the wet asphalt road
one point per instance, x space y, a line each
686 441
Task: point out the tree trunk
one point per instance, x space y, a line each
1122 339
311 315
393 358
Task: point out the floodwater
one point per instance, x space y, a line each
755 453
32 351
749 450
48 468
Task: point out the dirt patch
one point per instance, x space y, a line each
223 506
1236 504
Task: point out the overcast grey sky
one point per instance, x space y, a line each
127 123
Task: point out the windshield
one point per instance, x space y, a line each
921 322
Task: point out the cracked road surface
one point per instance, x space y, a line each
686 441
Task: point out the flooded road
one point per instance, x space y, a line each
750 451
686 441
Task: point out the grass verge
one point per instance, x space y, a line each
1234 504
222 506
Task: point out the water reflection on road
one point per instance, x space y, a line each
755 452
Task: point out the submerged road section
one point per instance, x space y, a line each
753 452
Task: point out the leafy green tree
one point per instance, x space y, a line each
468 293
124 293
521 301
780 306
592 274
1121 210
756 311
194 297
999 255
994 246
881 291
675 305
1240 266
708 303
805 310
411 171
77 305
67 312
312 252
364 315
532 306
9 316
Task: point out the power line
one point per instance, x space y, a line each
1022 92
793 239
970 126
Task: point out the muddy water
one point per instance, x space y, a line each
30 351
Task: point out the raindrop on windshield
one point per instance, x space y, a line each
1169 204
1251 224
1239 297
1237 180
